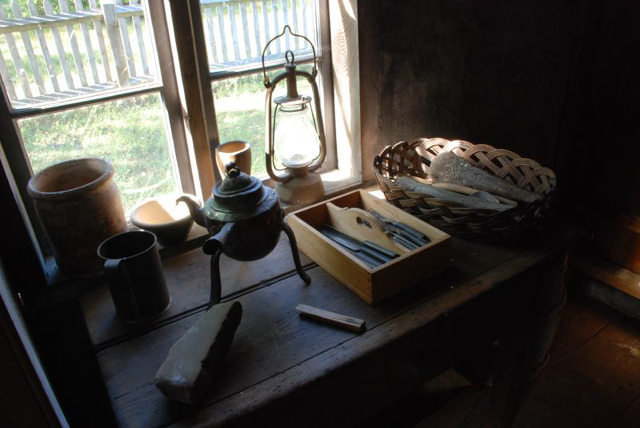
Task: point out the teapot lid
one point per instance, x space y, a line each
238 190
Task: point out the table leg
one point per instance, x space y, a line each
214 247
524 347
294 251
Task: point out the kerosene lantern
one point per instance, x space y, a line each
295 141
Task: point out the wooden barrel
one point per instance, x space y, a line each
79 206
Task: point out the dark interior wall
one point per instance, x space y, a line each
603 171
488 71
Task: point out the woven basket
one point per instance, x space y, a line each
414 158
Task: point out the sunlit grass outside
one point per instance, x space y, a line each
239 104
130 133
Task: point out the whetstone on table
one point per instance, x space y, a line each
193 361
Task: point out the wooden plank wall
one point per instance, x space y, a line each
483 72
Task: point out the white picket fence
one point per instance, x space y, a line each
54 53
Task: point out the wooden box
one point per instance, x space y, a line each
371 284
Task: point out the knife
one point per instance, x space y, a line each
402 230
368 252
369 247
404 240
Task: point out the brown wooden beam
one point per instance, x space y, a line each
199 116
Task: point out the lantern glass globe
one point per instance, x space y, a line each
296 142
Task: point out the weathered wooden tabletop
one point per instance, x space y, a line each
277 358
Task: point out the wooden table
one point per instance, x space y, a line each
298 372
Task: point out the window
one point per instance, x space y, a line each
84 79
235 63
120 79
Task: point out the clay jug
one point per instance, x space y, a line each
79 206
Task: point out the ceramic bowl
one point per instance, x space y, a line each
170 223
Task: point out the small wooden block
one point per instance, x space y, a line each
339 320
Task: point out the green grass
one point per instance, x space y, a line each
131 134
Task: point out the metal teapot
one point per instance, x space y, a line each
245 219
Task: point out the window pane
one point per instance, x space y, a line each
240 115
240 111
236 32
129 132
66 56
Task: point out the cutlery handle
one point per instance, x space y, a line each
405 241
402 232
367 259
388 254
352 246
379 257
411 231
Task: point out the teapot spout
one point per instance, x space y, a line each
197 213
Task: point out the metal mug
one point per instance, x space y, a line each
133 270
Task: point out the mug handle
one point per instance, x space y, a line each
118 276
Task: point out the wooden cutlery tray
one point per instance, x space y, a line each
371 284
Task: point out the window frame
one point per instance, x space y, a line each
190 107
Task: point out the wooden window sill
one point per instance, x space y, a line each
336 182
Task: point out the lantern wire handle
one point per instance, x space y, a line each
314 71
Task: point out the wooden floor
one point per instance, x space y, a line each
591 380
